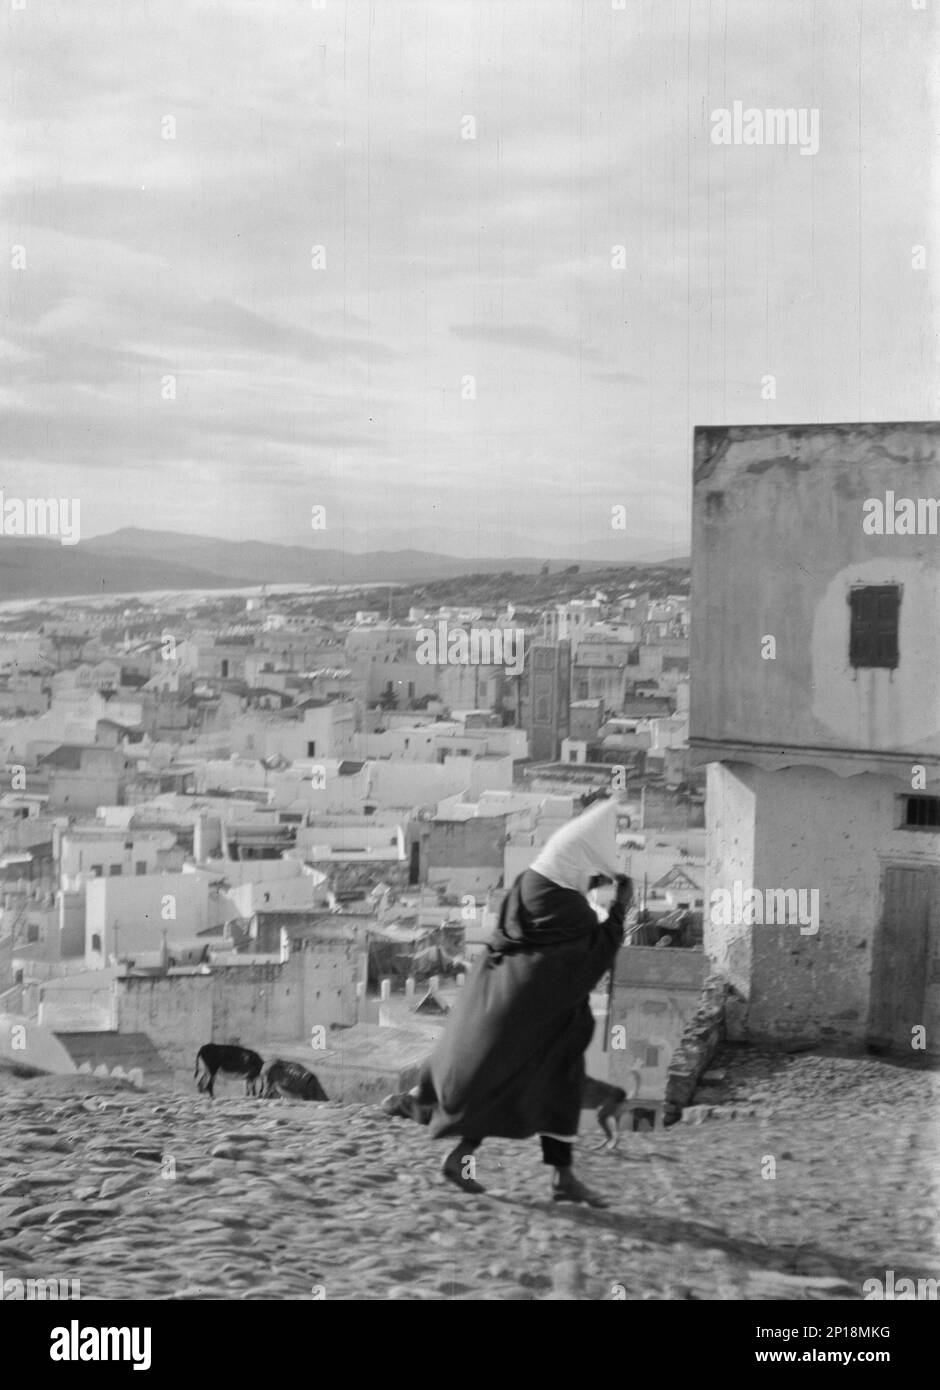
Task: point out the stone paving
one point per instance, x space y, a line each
811 1175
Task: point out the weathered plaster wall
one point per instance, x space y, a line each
809 829
729 856
777 543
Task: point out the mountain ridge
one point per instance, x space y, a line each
135 559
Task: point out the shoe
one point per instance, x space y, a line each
567 1188
452 1170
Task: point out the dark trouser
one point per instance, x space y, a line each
556 1152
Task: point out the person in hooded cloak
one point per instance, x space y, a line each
510 1063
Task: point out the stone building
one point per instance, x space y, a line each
815 684
653 997
546 696
462 853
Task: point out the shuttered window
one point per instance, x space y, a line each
873 639
922 812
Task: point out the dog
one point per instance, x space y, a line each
610 1102
292 1080
231 1061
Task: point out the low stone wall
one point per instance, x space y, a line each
697 1048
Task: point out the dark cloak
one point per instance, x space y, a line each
511 1060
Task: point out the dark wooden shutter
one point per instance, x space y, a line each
873 638
887 609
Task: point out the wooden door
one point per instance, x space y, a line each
906 959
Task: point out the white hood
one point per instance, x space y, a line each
585 846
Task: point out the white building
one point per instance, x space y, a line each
88 852
128 915
815 679
317 731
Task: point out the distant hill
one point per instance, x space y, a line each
535 591
135 560
46 569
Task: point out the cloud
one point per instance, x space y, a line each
529 336
446 256
621 378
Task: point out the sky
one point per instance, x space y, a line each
536 273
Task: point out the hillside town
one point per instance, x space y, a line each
275 831
469 671
249 821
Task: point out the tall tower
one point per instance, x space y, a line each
547 705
